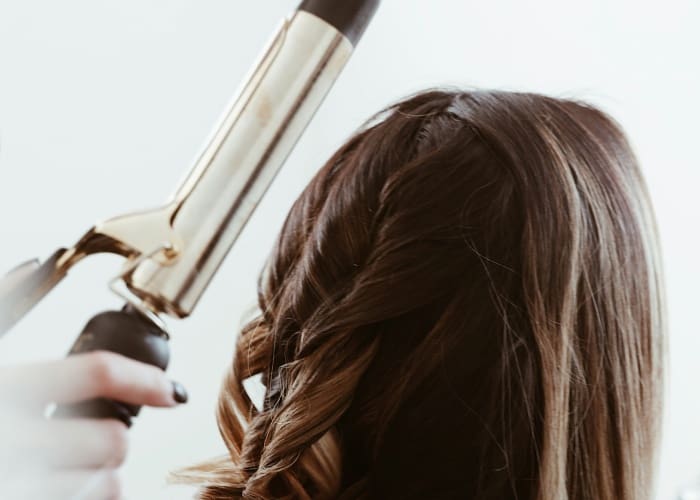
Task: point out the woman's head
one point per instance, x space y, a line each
463 302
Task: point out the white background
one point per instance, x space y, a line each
104 105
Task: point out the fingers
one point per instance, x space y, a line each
71 459
62 459
70 443
86 376
104 484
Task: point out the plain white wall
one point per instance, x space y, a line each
104 104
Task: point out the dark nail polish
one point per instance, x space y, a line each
179 392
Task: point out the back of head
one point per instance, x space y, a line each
463 303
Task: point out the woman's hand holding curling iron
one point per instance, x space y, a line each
77 458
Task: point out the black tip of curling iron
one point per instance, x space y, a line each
350 17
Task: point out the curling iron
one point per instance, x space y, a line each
172 252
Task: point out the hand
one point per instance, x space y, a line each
71 459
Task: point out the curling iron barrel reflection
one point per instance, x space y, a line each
174 251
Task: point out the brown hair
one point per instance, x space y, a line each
464 302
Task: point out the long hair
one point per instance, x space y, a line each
464 302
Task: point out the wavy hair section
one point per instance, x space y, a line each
465 301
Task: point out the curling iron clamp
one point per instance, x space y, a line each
172 252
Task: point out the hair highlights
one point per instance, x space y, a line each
464 302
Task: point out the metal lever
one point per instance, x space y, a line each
24 286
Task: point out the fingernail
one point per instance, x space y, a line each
179 392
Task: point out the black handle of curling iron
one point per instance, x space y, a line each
127 332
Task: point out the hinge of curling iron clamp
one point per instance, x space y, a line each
143 306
